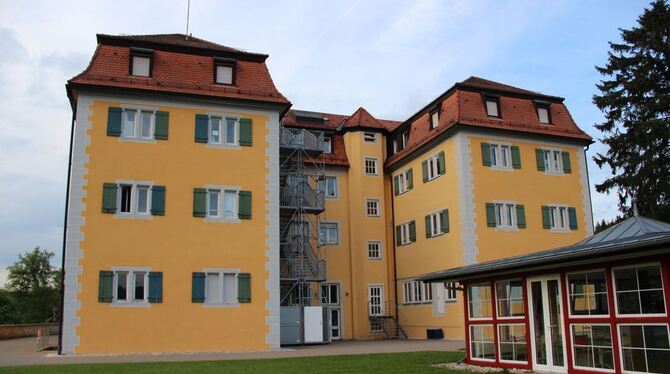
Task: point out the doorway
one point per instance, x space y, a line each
546 324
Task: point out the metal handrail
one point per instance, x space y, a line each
301 138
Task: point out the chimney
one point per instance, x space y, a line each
635 211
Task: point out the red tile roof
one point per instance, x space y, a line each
181 66
362 119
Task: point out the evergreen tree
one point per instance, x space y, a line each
635 99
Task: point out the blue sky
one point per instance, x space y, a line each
391 57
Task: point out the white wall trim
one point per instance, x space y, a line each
75 222
466 192
586 192
272 337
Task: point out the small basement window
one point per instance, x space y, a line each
224 71
141 62
492 104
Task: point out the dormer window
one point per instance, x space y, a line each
141 62
224 71
543 113
434 118
492 104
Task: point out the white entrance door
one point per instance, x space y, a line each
376 300
546 324
330 296
335 323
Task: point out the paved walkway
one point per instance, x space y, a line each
22 352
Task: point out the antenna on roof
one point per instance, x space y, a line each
634 202
188 16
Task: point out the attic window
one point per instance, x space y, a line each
370 137
141 62
434 118
492 104
543 113
224 71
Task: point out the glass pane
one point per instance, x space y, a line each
480 300
649 277
142 196
543 115
538 323
583 356
146 125
555 322
625 279
652 302
628 302
224 74
656 337
631 337
139 286
125 198
214 203
657 361
121 285
229 292
230 131
215 130
141 66
129 123
603 358
491 108
213 288
229 204
634 360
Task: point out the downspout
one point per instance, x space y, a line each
67 204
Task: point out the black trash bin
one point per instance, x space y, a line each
434 333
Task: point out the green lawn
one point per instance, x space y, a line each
413 362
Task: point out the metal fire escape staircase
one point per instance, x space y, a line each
301 201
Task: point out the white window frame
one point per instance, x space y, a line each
496 102
220 218
572 338
502 219
553 161
434 118
615 291
493 342
498 341
335 187
500 151
436 224
404 233
327 144
467 289
621 347
403 181
449 292
412 297
374 164
569 294
373 208
223 140
329 240
132 67
509 299
378 250
130 287
539 117
221 272
219 78
433 167
370 137
134 199
137 124
558 213
325 296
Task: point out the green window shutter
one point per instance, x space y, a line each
398 240
201 125
566 162
244 205
156 287
441 167
572 217
516 157
520 216
199 202
486 154
198 288
444 220
396 187
105 285
162 125
428 230
245 132
158 200
412 231
490 215
109 197
539 159
546 217
244 287
424 169
114 121
410 179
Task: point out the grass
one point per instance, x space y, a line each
411 362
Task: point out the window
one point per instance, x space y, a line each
130 286
645 348
492 106
592 346
370 137
417 292
221 287
509 296
479 300
134 199
376 326
512 342
138 124
330 293
327 144
587 293
558 218
437 223
481 342
501 155
374 250
553 161
222 203
140 64
329 186
223 131
370 166
543 113
224 71
434 167
450 290
404 181
372 207
505 214
404 231
639 290
328 233
434 118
